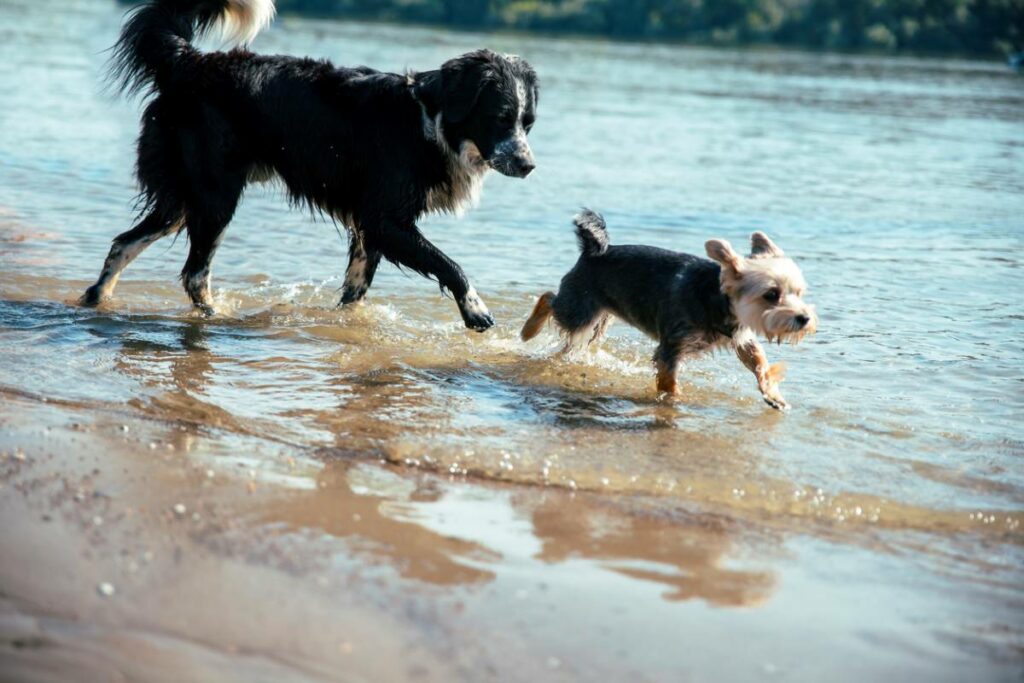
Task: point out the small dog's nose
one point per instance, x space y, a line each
802 320
525 167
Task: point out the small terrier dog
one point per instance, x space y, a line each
689 304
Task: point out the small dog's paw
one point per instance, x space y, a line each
92 297
474 312
775 400
206 310
667 390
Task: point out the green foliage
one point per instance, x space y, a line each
961 26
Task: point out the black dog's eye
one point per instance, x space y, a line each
772 296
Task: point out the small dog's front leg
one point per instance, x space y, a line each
768 376
666 360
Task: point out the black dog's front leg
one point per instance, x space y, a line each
362 266
408 247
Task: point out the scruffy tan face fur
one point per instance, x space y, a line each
766 289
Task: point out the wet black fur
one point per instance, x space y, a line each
347 142
673 297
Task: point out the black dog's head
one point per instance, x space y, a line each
487 103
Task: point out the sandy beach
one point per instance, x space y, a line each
127 558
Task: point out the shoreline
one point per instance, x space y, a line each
654 41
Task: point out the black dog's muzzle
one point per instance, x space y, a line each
513 157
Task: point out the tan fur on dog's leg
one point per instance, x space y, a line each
667 370
750 353
540 315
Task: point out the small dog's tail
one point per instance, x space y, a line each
540 315
158 33
591 233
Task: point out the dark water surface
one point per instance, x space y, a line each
877 523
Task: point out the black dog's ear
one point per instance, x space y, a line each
427 88
462 80
526 73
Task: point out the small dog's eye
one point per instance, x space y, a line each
772 296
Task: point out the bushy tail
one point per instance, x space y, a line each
591 233
158 32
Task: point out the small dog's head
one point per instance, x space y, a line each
487 103
766 289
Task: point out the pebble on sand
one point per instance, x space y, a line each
179 509
106 589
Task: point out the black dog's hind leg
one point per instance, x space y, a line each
411 249
362 266
126 247
205 224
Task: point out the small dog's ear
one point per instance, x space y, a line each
762 247
722 252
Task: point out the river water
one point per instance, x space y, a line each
877 523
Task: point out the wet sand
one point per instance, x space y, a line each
371 572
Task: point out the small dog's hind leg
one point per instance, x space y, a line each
582 337
362 266
750 353
600 329
579 314
541 312
126 247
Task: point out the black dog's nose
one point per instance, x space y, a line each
525 167
802 320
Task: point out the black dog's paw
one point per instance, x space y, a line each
478 322
350 295
474 312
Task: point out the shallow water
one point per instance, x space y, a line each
894 182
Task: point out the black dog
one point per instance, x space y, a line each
689 304
372 150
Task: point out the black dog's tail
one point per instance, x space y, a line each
591 233
159 32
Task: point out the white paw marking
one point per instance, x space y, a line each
472 303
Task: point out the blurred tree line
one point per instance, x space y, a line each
951 26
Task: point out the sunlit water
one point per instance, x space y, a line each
896 184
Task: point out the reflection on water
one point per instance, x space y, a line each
335 508
683 554
410 526
895 183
